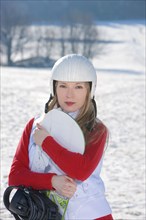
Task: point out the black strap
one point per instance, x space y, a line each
95 107
46 105
6 200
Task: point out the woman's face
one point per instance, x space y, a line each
71 95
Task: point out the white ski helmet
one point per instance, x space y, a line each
74 68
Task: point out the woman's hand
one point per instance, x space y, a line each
40 133
64 185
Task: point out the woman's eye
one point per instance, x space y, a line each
62 86
79 87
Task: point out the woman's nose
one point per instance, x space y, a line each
69 92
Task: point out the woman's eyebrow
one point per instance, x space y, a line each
61 82
76 83
81 83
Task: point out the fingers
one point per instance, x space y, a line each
70 179
64 185
69 188
39 134
67 194
68 191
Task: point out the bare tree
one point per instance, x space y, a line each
37 40
83 34
74 31
48 41
63 39
21 39
12 25
89 40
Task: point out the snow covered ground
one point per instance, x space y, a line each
120 97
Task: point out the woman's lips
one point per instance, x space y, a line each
69 103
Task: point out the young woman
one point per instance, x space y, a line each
73 85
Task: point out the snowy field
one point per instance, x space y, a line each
121 105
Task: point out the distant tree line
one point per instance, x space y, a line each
21 39
27 27
53 10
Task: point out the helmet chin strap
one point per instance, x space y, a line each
95 107
46 105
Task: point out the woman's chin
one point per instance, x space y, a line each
69 109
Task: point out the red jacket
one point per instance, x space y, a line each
75 165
